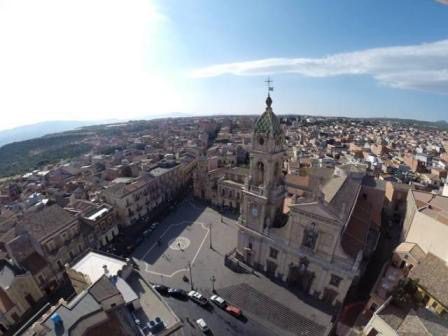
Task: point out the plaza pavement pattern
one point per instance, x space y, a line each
179 247
255 302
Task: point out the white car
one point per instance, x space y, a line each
198 298
219 301
202 325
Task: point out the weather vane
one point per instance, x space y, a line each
268 83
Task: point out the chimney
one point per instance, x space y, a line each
106 271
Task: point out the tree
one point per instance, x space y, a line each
406 293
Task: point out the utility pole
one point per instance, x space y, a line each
213 279
210 238
191 276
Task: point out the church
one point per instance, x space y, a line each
300 238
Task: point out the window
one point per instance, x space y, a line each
250 246
310 237
60 265
434 305
50 245
15 317
273 253
372 332
335 280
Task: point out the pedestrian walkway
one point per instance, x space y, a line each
253 301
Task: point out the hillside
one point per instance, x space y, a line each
20 157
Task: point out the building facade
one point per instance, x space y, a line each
296 239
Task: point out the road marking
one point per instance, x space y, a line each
202 243
179 243
163 234
147 266
147 270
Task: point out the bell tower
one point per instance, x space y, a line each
264 189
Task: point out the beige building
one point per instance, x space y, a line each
297 239
222 187
135 199
19 292
94 265
52 232
426 222
102 218
389 320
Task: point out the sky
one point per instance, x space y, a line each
131 59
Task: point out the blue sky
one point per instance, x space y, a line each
101 59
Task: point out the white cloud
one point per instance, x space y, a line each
83 59
421 67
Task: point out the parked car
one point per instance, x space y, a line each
147 233
178 293
161 289
197 298
202 325
138 240
234 311
219 301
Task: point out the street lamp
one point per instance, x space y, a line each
210 238
248 257
191 275
213 279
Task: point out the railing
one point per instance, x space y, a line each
261 191
256 190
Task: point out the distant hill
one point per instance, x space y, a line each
43 128
37 130
23 156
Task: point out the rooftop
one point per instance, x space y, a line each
432 273
268 122
92 265
434 206
159 171
43 223
81 306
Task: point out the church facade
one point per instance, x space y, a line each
297 238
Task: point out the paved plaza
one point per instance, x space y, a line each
179 247
185 237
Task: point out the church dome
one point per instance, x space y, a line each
268 122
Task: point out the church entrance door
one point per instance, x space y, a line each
300 278
270 268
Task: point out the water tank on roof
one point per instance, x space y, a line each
57 319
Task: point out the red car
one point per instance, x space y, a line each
235 311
